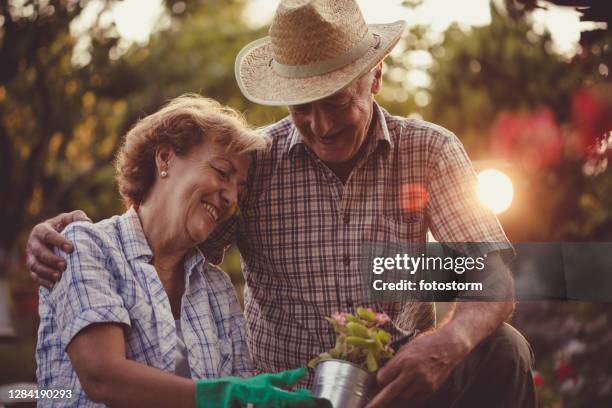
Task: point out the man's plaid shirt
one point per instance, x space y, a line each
301 230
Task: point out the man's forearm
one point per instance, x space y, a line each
472 322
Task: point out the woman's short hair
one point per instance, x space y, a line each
184 123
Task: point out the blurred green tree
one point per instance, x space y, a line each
63 114
55 132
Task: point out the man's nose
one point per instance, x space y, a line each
320 123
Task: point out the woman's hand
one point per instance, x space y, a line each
45 267
265 390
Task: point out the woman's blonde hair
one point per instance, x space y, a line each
184 123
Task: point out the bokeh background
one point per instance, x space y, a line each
524 84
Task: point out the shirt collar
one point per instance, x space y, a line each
193 259
295 138
380 131
133 238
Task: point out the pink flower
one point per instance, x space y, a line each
339 318
382 318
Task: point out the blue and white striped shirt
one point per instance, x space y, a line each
109 278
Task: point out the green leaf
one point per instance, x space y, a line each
366 314
358 329
371 361
352 318
360 342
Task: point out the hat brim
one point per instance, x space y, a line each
260 83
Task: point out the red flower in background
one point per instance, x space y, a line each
563 370
538 379
530 138
592 117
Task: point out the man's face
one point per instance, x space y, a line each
335 127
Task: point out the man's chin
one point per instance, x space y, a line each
333 157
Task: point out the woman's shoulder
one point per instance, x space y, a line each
96 257
103 234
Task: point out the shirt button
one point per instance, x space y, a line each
346 261
346 218
226 348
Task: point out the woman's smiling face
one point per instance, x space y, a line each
202 189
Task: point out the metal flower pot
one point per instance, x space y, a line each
345 384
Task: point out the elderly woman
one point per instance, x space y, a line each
139 312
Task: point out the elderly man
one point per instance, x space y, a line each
332 180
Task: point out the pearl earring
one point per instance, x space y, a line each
163 174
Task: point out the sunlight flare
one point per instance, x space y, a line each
495 190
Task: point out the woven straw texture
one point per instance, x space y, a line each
306 32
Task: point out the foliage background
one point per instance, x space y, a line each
63 112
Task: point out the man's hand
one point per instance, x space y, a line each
419 368
45 267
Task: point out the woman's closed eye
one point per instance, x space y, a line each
223 174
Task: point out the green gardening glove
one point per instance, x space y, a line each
265 390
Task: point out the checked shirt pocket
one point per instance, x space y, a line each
389 229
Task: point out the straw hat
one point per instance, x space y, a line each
314 49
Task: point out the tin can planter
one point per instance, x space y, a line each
344 384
